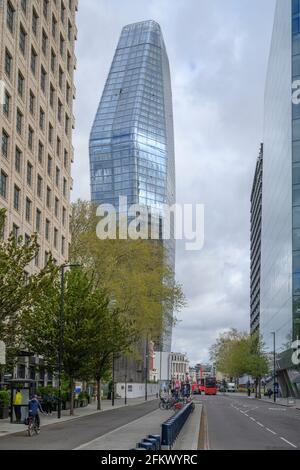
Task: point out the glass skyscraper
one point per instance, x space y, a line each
280 245
132 141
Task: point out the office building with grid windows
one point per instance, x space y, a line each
37 62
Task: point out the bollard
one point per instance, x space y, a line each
146 445
157 438
172 427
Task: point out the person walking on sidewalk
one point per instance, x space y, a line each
17 405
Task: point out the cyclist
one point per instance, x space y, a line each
34 407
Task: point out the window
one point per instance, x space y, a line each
30 138
62 12
69 58
18 160
48 198
56 207
57 176
47 229
52 94
33 61
66 157
63 244
37 258
67 124
45 8
20 84
19 125
54 26
31 103
39 186
28 206
53 60
58 146
16 198
55 237
68 93
29 173
43 79
34 22
59 110
38 217
61 45
60 78
22 40
44 42
69 31
5 144
65 187
41 153
42 119
3 184
24 6
6 104
49 166
8 63
50 134
64 216
10 13
15 231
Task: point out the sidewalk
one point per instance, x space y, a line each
288 402
126 437
188 438
7 428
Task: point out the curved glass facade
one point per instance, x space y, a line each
132 141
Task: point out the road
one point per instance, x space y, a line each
241 423
71 434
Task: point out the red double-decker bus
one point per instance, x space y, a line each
210 387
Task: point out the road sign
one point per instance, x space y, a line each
2 353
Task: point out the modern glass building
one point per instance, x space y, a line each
132 141
280 251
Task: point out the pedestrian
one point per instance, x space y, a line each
270 393
17 405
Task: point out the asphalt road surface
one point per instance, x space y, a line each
241 423
71 434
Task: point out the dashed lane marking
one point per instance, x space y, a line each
288 442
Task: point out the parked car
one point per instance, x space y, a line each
231 387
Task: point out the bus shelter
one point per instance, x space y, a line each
21 392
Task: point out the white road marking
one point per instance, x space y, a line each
290 443
259 424
272 432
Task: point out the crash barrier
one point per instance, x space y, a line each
152 442
172 427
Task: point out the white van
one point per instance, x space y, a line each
231 387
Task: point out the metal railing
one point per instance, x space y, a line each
172 427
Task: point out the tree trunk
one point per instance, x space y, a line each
98 394
72 397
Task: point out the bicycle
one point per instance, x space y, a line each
32 426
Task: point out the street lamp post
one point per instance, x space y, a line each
62 330
147 368
113 381
274 364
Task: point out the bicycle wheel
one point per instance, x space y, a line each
162 405
30 429
36 429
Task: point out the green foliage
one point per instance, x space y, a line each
236 354
133 272
17 291
4 398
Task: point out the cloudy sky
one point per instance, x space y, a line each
218 51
